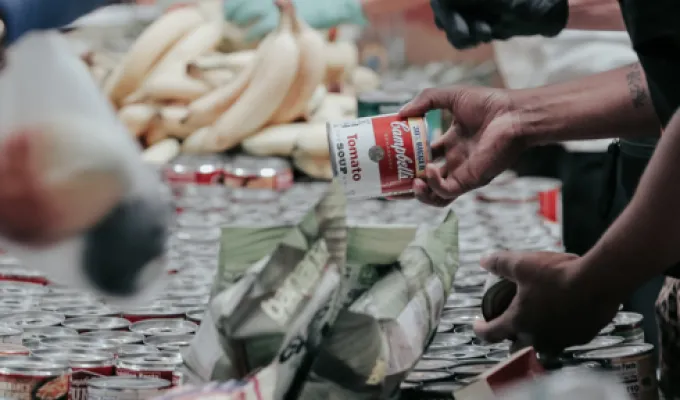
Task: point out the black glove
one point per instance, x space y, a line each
468 23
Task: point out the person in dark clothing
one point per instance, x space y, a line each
565 299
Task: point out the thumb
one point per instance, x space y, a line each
515 266
430 99
497 329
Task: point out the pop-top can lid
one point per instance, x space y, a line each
426 376
599 342
433 364
625 319
32 366
473 368
615 352
124 383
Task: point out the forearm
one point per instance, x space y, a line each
373 8
603 15
610 104
644 241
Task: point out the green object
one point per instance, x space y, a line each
264 15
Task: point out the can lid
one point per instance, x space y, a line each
498 355
473 368
433 364
33 365
616 352
127 383
626 319
457 353
599 342
426 376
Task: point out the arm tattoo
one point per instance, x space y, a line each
637 86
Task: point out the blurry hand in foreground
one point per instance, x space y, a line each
484 140
555 306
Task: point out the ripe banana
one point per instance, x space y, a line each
170 87
213 77
148 49
274 140
200 41
233 61
162 152
201 141
311 72
319 168
335 107
171 118
137 117
341 59
312 141
316 100
272 79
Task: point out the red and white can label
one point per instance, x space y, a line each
79 379
378 156
175 377
550 204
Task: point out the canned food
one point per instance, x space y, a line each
498 355
440 390
633 364
151 365
85 365
466 302
161 327
10 334
86 311
169 342
12 349
629 326
444 327
135 350
462 316
548 193
378 156
195 316
607 330
33 378
469 369
465 330
21 274
126 388
116 336
193 169
434 364
270 173
79 342
599 342
22 288
89 324
152 312
32 319
448 340
458 353
48 331
427 376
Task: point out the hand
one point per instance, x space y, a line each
485 140
468 23
555 307
23 16
320 14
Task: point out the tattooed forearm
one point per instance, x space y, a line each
637 86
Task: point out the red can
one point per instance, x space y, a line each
270 173
548 193
151 312
158 327
86 311
12 349
80 342
85 365
155 366
378 156
116 336
33 378
21 274
193 169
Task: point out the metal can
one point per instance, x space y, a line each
163 327
151 365
22 288
378 156
457 353
89 324
548 193
21 274
419 376
87 311
116 336
169 342
153 312
462 316
270 173
85 365
126 388
598 343
33 378
10 334
448 340
629 326
473 368
633 364
48 331
135 350
195 316
11 350
79 342
33 319
434 364
193 169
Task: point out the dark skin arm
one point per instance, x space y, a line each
613 103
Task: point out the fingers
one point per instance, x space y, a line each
423 193
515 266
429 99
497 329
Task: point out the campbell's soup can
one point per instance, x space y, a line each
33 378
378 156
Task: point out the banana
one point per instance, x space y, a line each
310 74
272 79
171 118
317 100
148 49
341 60
233 61
312 141
274 140
170 87
137 117
201 141
200 41
162 152
319 168
213 77
335 106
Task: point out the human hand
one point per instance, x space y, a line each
485 139
23 16
555 306
468 23
264 15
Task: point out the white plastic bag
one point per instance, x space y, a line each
45 88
